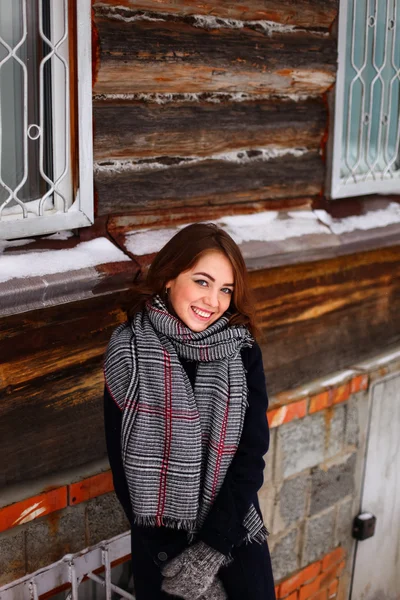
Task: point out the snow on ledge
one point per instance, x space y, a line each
271 226
374 219
265 226
49 262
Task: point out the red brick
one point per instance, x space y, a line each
293 596
321 595
90 488
32 508
329 575
309 590
332 558
358 383
333 588
341 568
285 414
320 401
304 576
341 393
311 571
277 591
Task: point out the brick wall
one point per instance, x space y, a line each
309 498
40 529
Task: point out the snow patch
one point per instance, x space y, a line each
120 166
374 219
14 243
49 262
268 27
122 13
211 97
238 157
270 226
259 154
261 227
60 235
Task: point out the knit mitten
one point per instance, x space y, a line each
190 574
216 591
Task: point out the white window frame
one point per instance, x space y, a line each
81 212
336 185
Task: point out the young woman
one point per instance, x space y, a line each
186 427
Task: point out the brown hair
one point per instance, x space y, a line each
181 253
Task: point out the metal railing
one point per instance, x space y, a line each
67 574
366 157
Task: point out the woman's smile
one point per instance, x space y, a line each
202 314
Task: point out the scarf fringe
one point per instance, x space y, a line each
188 525
260 537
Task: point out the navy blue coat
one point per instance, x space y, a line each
223 528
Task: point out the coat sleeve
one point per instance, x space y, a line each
223 528
113 424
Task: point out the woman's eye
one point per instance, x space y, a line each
227 290
201 282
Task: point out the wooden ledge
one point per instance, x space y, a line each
41 273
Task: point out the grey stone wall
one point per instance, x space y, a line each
312 484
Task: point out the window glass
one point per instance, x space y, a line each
34 99
367 127
371 107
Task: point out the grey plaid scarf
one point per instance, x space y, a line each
177 443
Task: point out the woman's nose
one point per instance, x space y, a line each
211 298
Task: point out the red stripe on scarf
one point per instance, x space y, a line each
220 452
162 490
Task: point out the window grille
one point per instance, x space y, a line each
93 563
366 154
38 47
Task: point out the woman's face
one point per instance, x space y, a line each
202 294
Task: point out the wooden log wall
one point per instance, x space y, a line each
210 103
210 108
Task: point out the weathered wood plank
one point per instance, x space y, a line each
138 130
30 366
26 333
51 386
208 182
52 426
307 13
173 57
324 316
